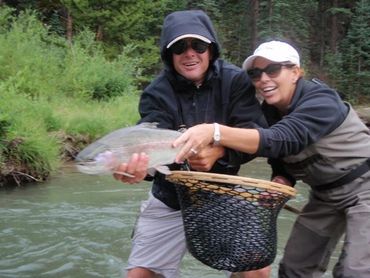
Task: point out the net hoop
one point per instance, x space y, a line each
180 176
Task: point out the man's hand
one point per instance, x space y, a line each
282 180
134 171
206 158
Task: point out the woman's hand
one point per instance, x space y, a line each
194 140
134 171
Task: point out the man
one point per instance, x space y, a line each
194 87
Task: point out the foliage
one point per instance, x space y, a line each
26 61
229 29
51 87
87 72
56 67
72 67
124 23
26 146
97 118
356 52
5 18
287 18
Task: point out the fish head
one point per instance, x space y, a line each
92 168
96 159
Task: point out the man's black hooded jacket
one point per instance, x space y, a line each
226 97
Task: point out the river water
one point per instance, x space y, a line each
78 225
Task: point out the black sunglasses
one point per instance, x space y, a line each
272 70
181 46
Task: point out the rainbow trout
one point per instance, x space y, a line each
107 153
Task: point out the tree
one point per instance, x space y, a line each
356 51
332 36
254 20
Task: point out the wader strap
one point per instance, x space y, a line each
354 174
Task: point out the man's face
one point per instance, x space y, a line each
194 61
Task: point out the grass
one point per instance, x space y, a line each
54 95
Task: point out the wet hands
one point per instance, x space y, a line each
193 140
134 171
206 158
281 180
196 145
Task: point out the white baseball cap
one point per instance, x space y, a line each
196 36
275 51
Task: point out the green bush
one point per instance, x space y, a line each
52 91
88 73
26 144
97 118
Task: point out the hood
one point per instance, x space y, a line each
187 22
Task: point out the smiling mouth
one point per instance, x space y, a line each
267 90
190 64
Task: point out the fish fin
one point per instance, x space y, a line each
124 174
162 169
151 171
182 128
149 124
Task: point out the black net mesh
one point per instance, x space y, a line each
230 227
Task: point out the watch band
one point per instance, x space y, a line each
216 134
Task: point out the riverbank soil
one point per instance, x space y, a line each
16 173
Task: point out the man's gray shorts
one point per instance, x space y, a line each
158 241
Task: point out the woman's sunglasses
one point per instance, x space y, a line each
272 70
181 46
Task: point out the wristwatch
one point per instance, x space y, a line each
216 134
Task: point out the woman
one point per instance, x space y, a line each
314 137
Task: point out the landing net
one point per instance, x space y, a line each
230 221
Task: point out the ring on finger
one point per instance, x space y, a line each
193 151
128 175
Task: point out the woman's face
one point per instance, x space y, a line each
277 86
